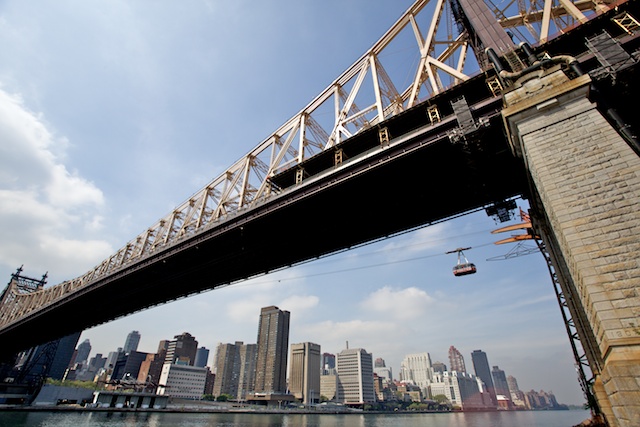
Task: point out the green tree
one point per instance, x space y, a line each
224 397
441 398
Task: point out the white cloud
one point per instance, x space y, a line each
49 208
401 304
299 303
360 333
284 289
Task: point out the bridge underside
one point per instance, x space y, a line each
418 178
375 193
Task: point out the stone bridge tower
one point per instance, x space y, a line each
585 182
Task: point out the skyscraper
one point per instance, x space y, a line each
328 364
132 341
456 361
227 369
202 356
500 382
304 376
517 396
481 367
416 368
355 377
182 349
235 367
439 367
273 344
248 354
83 351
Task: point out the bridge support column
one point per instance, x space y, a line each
586 185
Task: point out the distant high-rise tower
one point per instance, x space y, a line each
481 367
379 363
83 350
273 344
202 356
304 376
500 382
328 364
235 368
182 349
112 358
227 369
132 341
517 396
439 367
512 383
416 368
248 355
355 377
456 361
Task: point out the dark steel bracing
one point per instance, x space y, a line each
423 179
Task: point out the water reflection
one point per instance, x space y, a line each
155 419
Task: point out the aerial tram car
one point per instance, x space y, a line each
462 268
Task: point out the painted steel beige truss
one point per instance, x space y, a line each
377 86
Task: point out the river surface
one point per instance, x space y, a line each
157 419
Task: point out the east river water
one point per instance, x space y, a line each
163 419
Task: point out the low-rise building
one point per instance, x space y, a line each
460 388
182 381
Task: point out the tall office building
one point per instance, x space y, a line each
235 367
202 357
150 370
416 368
132 341
328 364
439 367
304 375
379 363
456 361
83 351
227 369
355 377
273 344
481 367
112 359
248 355
517 396
500 382
385 373
182 350
460 388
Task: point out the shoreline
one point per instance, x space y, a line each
218 410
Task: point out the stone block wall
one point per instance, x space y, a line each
588 180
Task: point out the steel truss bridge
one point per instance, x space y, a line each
368 158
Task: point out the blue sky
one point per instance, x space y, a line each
113 113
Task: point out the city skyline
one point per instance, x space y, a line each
94 153
409 364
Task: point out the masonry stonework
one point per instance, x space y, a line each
588 182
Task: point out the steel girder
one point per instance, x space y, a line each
367 93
